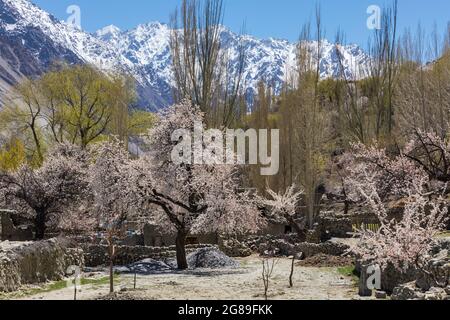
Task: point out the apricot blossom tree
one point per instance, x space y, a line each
192 198
283 206
46 193
401 242
113 200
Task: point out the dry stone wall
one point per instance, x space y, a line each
97 255
35 262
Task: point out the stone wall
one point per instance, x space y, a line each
97 255
35 262
154 237
332 226
289 246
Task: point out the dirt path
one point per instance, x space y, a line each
242 284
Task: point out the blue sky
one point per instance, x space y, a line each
263 18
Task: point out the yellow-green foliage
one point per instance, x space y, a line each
139 122
79 105
12 155
88 102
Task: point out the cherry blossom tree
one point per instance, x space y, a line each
284 206
192 198
404 242
46 193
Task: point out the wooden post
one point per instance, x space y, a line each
291 283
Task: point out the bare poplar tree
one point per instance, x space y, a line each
383 73
366 106
310 132
203 69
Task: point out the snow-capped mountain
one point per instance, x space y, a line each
31 39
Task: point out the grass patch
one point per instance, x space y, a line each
349 271
99 281
55 286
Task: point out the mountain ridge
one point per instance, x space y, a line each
144 52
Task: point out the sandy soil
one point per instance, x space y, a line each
244 283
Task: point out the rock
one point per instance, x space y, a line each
8 231
210 258
439 265
391 277
134 239
436 294
380 294
333 226
299 256
235 248
122 296
447 290
314 235
410 291
406 291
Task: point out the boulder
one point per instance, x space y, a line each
380 294
391 277
407 291
410 291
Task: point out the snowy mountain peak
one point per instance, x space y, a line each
110 30
144 52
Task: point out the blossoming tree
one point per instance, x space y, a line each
431 152
283 205
113 200
46 193
192 198
405 242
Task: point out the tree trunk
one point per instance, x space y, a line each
39 225
301 232
111 276
111 266
181 250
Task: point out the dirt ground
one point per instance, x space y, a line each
245 283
